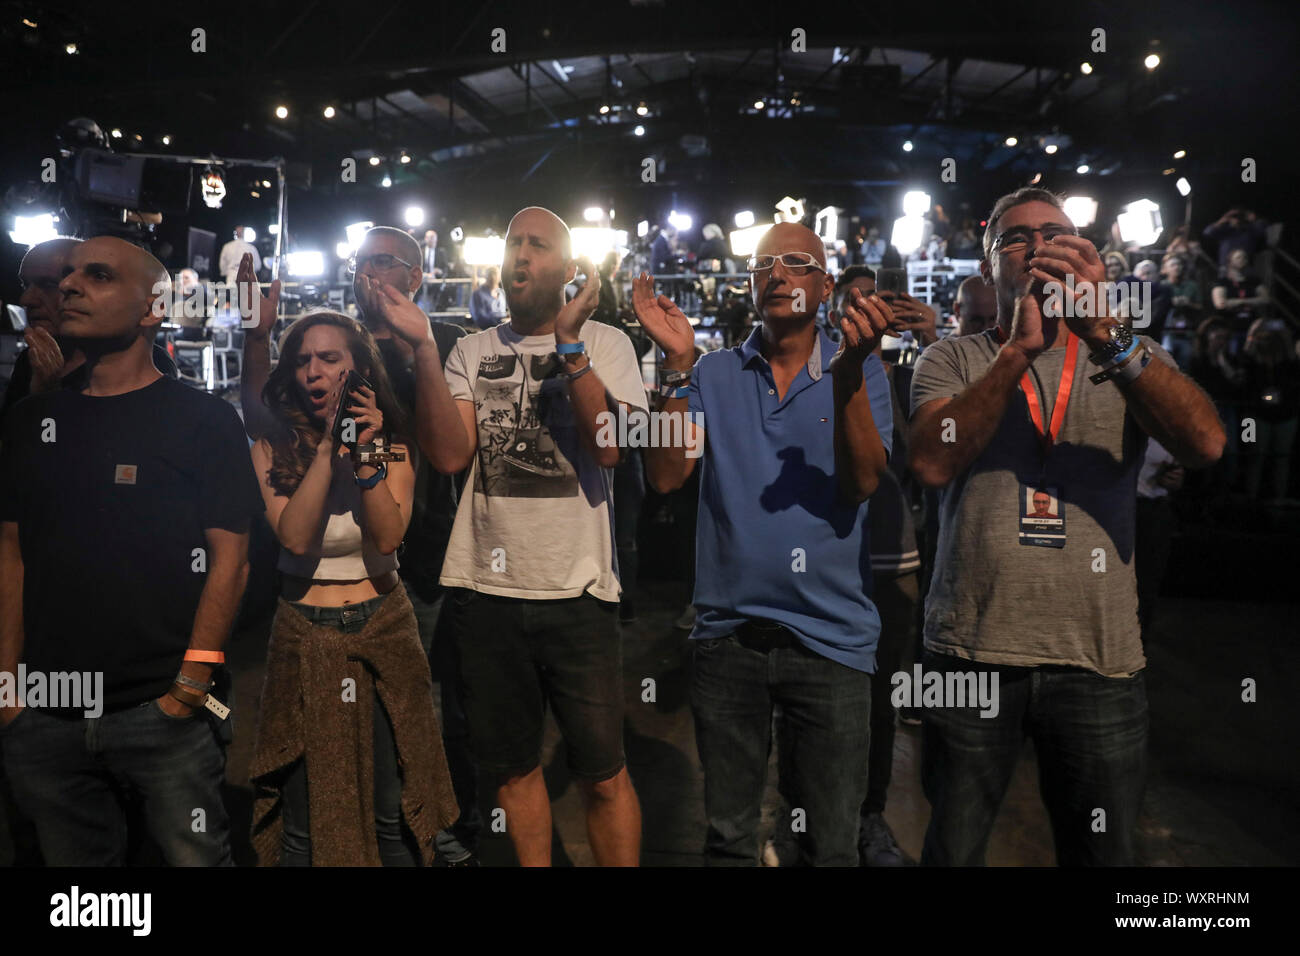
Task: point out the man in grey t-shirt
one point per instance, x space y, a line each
1039 601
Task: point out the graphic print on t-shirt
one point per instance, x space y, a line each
524 452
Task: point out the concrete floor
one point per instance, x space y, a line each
1223 787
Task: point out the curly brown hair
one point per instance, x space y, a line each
294 447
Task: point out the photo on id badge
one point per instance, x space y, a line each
1042 516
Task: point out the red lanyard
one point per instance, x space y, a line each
1048 435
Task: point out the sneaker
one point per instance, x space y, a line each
876 843
687 621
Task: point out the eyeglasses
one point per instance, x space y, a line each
1017 238
796 263
382 262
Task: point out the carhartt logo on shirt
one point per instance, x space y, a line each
124 475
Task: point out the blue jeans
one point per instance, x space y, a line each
394 847
73 777
1090 736
823 744
460 840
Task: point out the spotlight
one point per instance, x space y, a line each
907 146
745 241
71 49
593 214
328 112
484 250
744 219
457 234
139 138
680 221
282 112
1152 61
374 160
642 109
1184 187
166 140
387 181
342 250
1010 141
759 104
1180 154
916 203
1037 178
1082 210
604 108
1050 149
266 183
273 229
414 216
1140 222
306 264
639 130
405 159
1083 169
31 230
908 234
643 229
250 234
1085 67
116 134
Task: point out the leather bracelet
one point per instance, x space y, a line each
674 376
574 376
189 700
199 686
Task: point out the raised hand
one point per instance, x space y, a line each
568 324
666 325
862 322
365 411
253 304
46 358
406 319
1027 325
1075 256
912 315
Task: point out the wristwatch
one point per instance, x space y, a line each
367 483
1121 340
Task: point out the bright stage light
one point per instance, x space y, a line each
342 250
1010 141
908 234
594 242
273 229
282 112
593 214
744 219
1180 154
1083 169
484 250
643 228
328 112
30 230
250 234
1050 149
907 146
1085 67
306 264
639 130
1152 61
356 233
386 181
916 203
745 241
1082 210
1140 222
374 160
414 216
680 221
1184 187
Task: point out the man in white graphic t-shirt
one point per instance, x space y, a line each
532 550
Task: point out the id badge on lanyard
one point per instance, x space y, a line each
1041 511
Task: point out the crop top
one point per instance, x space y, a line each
341 552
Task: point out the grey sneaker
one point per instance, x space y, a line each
876 843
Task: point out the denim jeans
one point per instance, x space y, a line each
823 742
1090 737
395 848
895 599
73 778
440 618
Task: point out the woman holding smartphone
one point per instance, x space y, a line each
348 763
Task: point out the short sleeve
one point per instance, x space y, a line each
614 359
228 492
694 397
458 380
882 404
937 375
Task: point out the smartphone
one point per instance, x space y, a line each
353 381
891 280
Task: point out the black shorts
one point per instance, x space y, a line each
517 657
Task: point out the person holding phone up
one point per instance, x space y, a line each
347 682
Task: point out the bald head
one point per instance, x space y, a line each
976 306
108 290
538 219
40 273
791 237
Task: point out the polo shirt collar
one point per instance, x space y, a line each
818 362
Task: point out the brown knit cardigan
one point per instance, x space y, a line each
304 714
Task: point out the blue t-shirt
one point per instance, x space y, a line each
775 540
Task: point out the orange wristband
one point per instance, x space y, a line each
205 657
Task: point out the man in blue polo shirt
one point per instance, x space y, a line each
796 436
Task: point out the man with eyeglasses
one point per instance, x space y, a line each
390 256
798 435
1051 404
